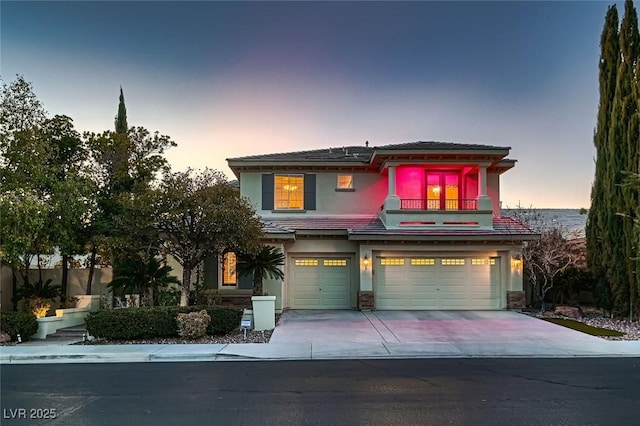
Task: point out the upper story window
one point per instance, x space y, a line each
345 181
289 192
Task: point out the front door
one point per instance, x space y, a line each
443 190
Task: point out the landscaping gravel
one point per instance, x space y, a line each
596 319
234 337
631 329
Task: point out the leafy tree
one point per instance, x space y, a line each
264 263
23 181
20 108
124 168
24 217
199 215
71 191
142 274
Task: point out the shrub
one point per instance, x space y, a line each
223 319
193 325
23 323
159 321
131 323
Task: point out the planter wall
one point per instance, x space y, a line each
92 302
264 312
64 318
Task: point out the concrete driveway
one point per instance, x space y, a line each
454 333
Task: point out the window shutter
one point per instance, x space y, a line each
211 272
267 191
245 282
309 192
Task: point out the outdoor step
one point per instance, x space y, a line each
76 331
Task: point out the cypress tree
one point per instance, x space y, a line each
596 221
619 242
632 168
121 118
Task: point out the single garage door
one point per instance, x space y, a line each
403 282
320 283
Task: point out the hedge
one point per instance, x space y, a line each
23 323
160 321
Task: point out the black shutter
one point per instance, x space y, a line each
211 272
309 192
245 282
267 191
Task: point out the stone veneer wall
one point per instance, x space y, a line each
366 301
515 299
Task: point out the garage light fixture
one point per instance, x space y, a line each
365 262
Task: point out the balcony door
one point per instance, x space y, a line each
443 190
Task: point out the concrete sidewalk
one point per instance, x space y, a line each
26 354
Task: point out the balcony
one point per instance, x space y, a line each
405 213
448 205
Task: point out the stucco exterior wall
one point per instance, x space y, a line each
370 190
493 191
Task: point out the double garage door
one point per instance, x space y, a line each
419 282
320 282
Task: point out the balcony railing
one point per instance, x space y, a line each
454 205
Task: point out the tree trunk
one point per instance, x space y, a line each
257 284
92 266
65 278
186 285
14 288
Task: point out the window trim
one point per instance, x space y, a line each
344 188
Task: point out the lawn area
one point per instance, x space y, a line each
579 326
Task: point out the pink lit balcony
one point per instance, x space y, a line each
451 205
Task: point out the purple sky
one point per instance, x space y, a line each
227 79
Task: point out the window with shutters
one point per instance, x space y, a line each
289 192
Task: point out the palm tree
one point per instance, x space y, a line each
265 263
143 275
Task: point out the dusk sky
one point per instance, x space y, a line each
228 79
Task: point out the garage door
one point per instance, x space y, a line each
403 282
320 283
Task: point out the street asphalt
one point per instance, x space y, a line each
330 335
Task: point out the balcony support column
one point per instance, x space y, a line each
484 201
392 202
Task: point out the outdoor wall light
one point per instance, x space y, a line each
365 262
516 262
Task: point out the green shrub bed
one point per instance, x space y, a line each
23 323
144 323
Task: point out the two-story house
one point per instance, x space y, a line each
407 226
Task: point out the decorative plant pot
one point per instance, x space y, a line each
264 312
